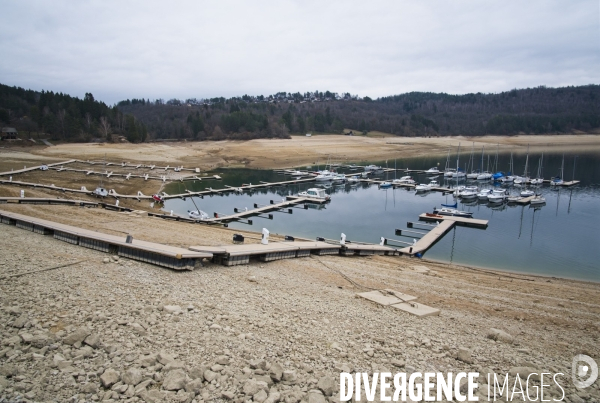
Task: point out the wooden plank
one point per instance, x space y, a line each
166 250
429 239
471 222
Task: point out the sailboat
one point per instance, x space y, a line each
498 174
474 174
486 175
558 180
447 170
509 177
538 179
525 178
459 173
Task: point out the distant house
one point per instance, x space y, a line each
9 133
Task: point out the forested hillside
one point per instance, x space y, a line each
531 111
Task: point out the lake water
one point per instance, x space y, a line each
559 239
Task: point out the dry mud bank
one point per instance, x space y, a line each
106 329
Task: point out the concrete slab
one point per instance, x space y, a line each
417 309
386 297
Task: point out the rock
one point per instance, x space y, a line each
575 398
115 258
8 370
172 308
26 337
109 377
464 355
174 380
252 387
132 376
106 260
40 341
20 321
524 372
14 310
276 372
209 376
93 340
152 396
194 386
500 335
397 363
142 385
138 329
315 396
77 336
147 360
164 358
260 396
173 365
228 395
90 387
327 385
274 397
289 376
197 373
222 360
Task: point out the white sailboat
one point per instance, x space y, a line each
447 170
525 178
538 179
558 180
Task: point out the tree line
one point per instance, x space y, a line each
529 111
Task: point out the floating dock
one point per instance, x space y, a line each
34 168
149 252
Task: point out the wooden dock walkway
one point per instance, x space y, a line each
46 200
149 252
20 171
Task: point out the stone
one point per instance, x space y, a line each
209 375
132 376
524 372
327 385
26 337
77 336
164 358
315 396
197 373
90 387
464 355
138 329
274 397
575 398
174 380
40 341
276 372
500 335
228 395
8 370
252 387
222 360
109 377
260 396
172 308
20 321
194 386
106 260
147 360
93 340
175 364
152 396
397 363
289 376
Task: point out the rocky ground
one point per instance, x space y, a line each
110 329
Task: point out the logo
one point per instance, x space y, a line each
584 366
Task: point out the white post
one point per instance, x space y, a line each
265 236
152 205
22 193
171 212
10 178
117 203
343 239
382 242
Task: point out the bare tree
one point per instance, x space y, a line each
105 127
88 121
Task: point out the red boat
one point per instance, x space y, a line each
158 198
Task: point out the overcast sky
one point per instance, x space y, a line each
183 49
